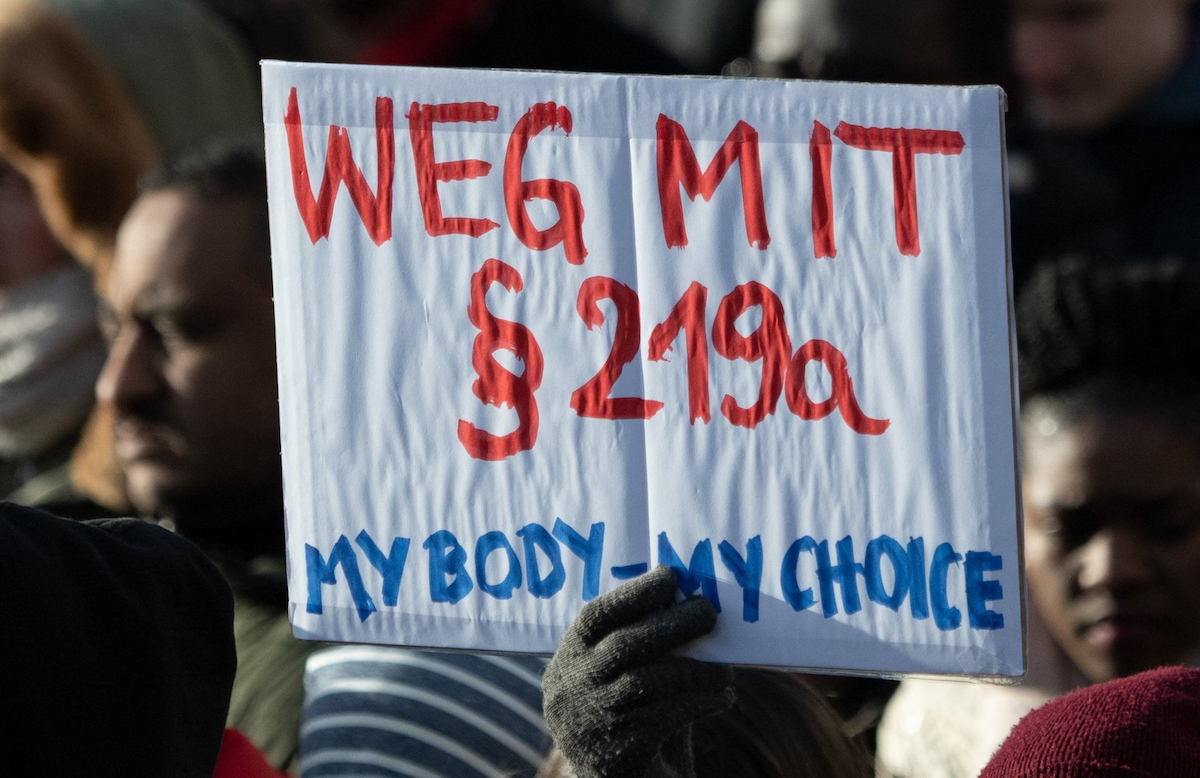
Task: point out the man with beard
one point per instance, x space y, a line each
190 379
192 384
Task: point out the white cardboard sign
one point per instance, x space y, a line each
538 331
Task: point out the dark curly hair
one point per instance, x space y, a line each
1115 335
235 168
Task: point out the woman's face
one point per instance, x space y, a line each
1112 538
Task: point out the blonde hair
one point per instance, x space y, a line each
779 727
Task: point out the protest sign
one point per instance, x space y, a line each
540 331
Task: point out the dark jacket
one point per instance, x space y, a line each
1128 191
523 35
118 653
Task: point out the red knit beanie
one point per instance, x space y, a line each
1143 726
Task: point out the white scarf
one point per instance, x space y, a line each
51 352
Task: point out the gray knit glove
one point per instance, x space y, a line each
618 704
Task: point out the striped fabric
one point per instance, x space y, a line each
374 711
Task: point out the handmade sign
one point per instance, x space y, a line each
540 331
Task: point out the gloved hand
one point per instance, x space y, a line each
615 700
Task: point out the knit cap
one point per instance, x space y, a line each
1143 726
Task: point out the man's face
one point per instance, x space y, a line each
1112 539
1084 62
191 371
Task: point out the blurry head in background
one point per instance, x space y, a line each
778 727
190 376
888 41
92 92
95 92
1110 381
1083 63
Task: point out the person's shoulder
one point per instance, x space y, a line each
147 579
124 625
949 729
27 530
482 708
122 548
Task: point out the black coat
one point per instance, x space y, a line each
1129 191
117 650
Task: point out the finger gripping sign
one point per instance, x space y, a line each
539 332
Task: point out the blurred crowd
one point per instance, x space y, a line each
137 378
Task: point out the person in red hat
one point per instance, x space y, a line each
1143 726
